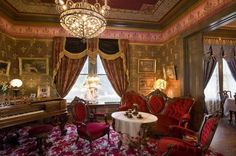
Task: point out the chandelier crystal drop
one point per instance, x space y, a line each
82 19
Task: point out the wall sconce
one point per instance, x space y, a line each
16 84
160 84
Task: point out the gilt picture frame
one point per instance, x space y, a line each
33 65
5 67
170 72
147 66
43 91
146 83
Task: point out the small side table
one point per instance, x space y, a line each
132 127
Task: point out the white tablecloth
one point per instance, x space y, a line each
229 105
131 126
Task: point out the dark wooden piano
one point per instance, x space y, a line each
17 112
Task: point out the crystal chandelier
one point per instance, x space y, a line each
82 19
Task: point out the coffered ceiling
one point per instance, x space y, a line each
138 14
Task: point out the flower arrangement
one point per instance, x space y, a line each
4 87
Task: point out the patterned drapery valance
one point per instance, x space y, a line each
109 49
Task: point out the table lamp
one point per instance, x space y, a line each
16 84
160 84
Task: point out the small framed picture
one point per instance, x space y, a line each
146 83
32 95
43 91
147 66
5 67
33 65
170 72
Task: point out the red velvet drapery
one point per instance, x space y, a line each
66 67
116 69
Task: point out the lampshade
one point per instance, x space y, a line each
160 84
16 83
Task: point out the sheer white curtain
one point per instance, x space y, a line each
211 92
228 81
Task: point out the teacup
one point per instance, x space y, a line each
130 115
139 116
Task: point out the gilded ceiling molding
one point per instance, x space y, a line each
219 41
205 10
17 30
161 8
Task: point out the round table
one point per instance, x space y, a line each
131 126
230 108
229 105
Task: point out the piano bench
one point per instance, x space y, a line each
41 133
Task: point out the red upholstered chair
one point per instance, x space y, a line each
156 101
130 98
187 142
176 113
41 133
87 130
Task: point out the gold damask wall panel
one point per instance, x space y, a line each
136 52
170 53
13 48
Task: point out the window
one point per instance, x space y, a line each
212 89
228 81
105 91
78 89
211 92
212 96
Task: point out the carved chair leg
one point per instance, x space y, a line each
222 110
120 140
235 117
230 116
40 145
77 140
63 119
90 144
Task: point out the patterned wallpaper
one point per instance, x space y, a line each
13 48
165 55
137 52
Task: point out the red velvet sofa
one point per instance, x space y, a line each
169 111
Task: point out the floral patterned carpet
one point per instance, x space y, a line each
66 146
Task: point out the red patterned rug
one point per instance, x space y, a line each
66 146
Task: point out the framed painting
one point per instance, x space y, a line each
147 66
33 65
170 72
5 67
146 83
43 91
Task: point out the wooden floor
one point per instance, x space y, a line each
224 140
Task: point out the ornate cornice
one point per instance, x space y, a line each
204 11
148 13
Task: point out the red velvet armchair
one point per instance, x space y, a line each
176 113
130 98
87 130
156 101
187 142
